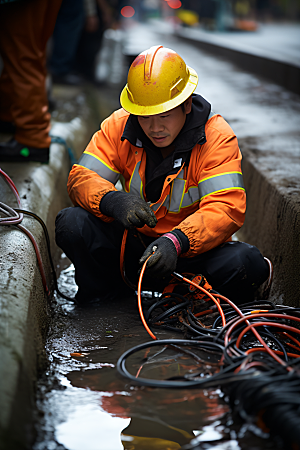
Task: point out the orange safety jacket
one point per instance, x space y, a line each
207 202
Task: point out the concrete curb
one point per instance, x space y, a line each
278 70
24 312
273 215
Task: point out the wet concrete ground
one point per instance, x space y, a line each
82 402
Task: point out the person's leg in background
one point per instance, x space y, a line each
88 48
25 29
66 35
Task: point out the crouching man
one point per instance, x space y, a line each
183 193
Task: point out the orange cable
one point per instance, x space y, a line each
293 346
290 337
210 296
251 327
140 300
122 261
278 325
122 254
262 349
142 365
255 332
202 313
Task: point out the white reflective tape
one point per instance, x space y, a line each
220 182
212 185
136 184
91 162
177 191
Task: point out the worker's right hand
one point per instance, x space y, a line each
130 210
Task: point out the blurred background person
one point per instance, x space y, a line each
25 27
100 15
65 39
77 39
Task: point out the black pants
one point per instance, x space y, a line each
235 269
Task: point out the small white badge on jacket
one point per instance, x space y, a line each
177 163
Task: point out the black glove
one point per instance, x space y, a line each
130 210
163 262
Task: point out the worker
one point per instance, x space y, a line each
182 199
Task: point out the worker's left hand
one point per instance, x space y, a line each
164 259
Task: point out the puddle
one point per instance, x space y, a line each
83 403
106 436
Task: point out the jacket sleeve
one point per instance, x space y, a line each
97 170
222 204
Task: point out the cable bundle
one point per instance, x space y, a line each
258 349
273 401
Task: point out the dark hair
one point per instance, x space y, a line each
182 105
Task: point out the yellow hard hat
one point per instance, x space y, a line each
158 80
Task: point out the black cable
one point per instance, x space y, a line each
271 336
223 377
160 303
46 234
198 328
191 329
164 299
243 308
275 399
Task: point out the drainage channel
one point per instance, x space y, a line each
82 402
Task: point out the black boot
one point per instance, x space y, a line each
7 127
13 151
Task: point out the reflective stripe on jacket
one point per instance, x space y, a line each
206 201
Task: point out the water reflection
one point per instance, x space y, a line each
160 419
88 427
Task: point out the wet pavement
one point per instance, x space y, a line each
280 41
82 401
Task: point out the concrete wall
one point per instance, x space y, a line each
24 309
273 214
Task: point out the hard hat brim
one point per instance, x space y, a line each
141 110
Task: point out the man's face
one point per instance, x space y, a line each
163 128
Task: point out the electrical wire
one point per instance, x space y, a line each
14 217
251 342
140 300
